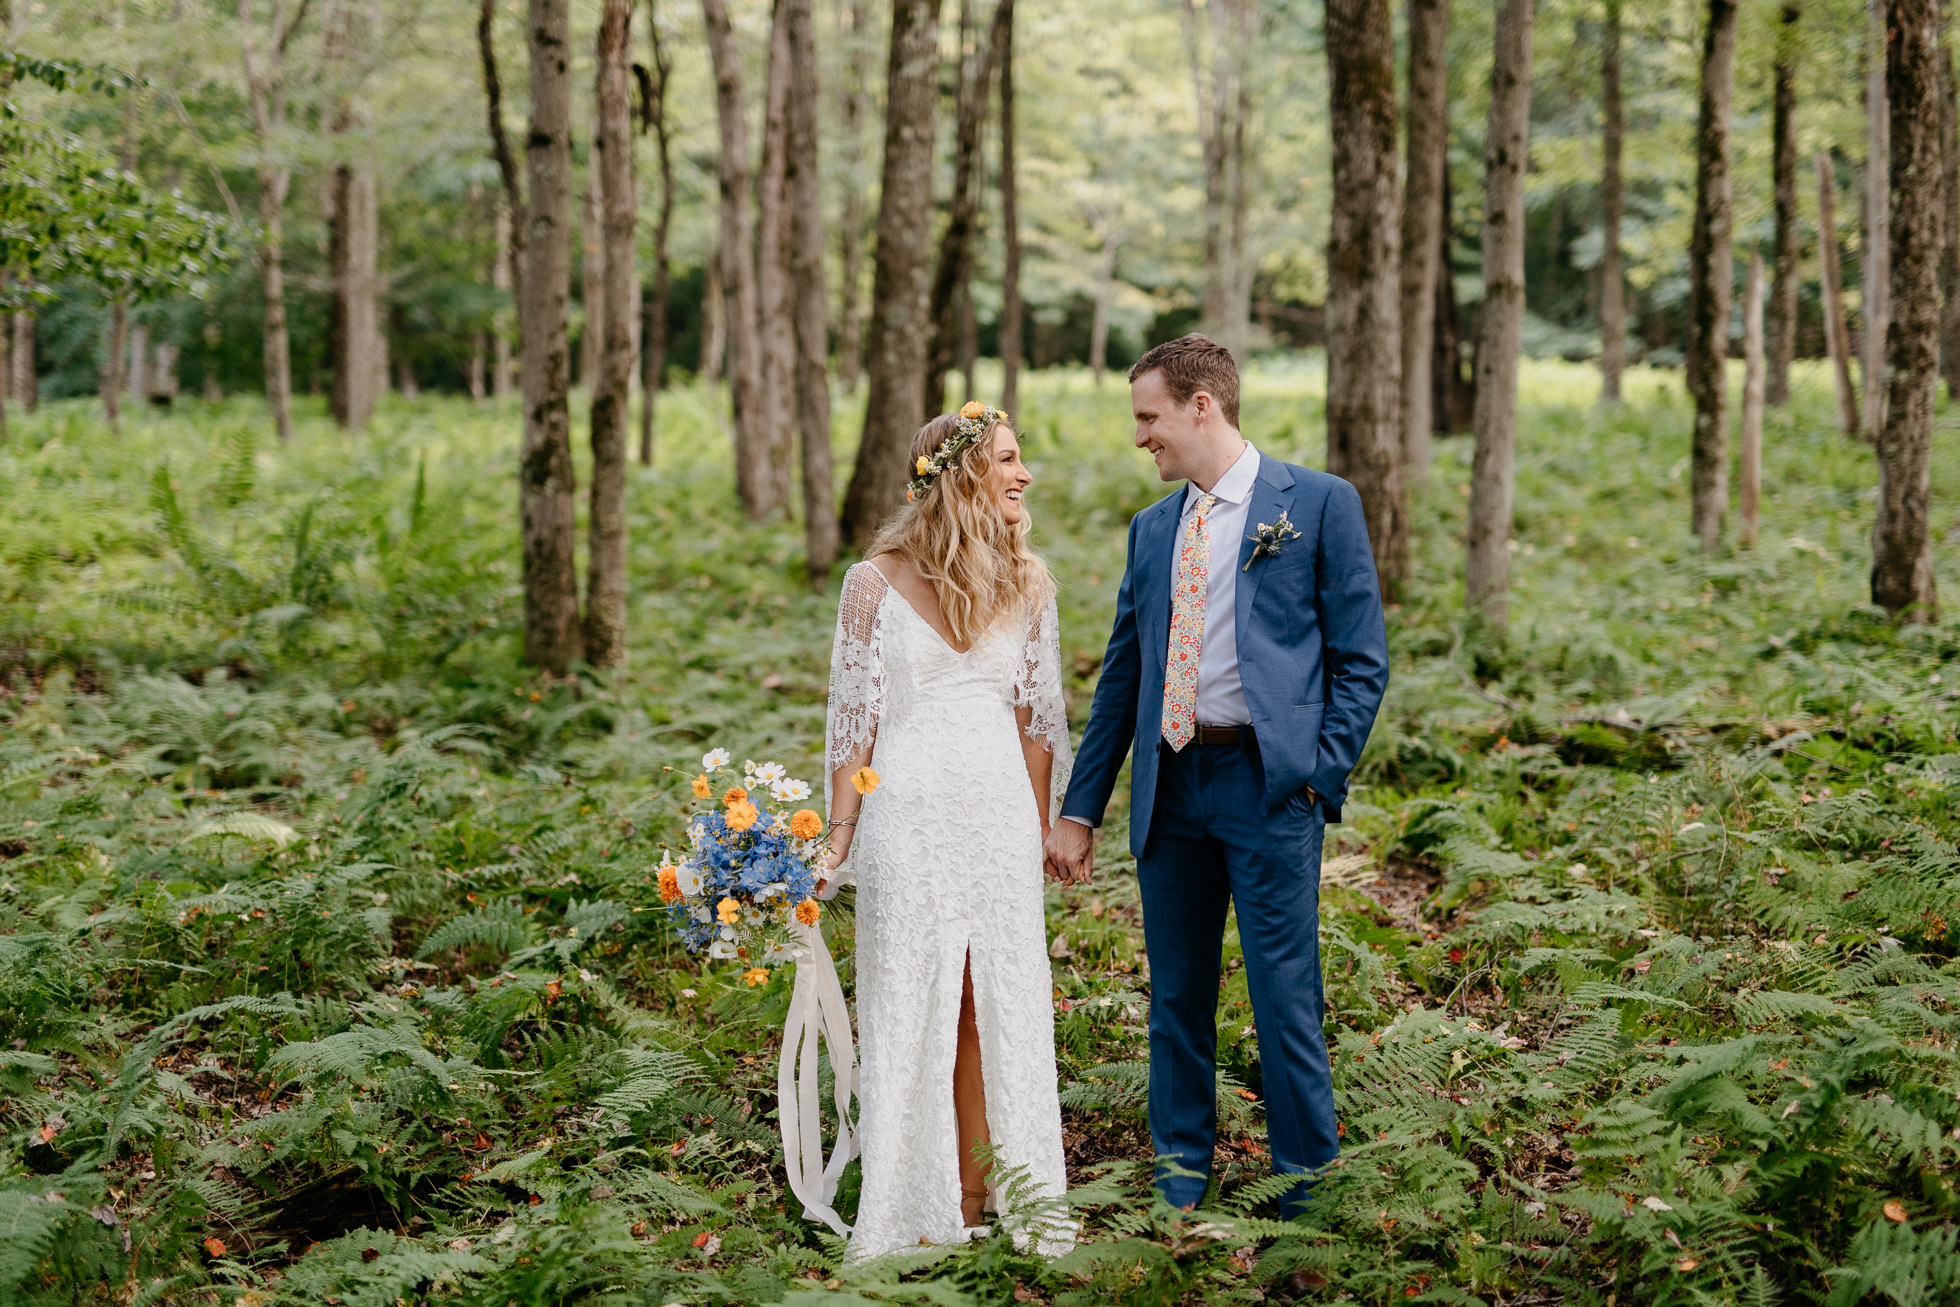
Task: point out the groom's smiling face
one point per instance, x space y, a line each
1174 433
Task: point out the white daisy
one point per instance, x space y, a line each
714 759
688 877
771 772
789 791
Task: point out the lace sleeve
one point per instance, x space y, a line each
1038 687
857 685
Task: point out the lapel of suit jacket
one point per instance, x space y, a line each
1269 498
1156 550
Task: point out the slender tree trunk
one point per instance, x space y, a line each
115 356
493 93
1711 260
1422 221
755 481
1950 219
501 280
850 232
266 96
1902 553
1213 91
1238 253
162 374
894 408
1105 284
1500 324
955 268
1364 342
654 332
592 279
714 322
811 303
1010 223
27 374
772 264
612 165
1875 277
353 243
1781 337
1451 397
1837 333
546 483
476 372
1749 497
1612 285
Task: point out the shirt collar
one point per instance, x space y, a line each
1233 487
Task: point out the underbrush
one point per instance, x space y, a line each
331 969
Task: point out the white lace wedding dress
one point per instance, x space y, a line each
947 861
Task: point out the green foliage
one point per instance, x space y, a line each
323 926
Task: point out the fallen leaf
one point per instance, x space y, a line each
48 1132
1653 1204
1248 1096
215 1246
1686 1264
701 1239
1894 1210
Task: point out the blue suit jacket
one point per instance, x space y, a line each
1313 650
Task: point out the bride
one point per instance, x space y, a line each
945 682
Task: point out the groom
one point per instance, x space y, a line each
1246 664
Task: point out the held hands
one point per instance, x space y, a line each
1068 853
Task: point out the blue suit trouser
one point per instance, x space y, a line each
1211 845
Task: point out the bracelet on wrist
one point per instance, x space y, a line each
844 821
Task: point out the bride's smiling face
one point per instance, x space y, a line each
1009 478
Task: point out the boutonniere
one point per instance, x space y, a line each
1270 538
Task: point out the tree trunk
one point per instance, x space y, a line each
592 279
811 303
654 331
955 268
1364 344
115 357
850 232
612 164
1781 329
772 265
1612 285
352 245
1749 497
894 408
1105 284
1950 220
755 481
714 322
1235 22
1875 275
27 374
1451 397
1010 222
1902 554
545 481
162 376
1422 222
493 92
1837 333
1712 275
502 279
1501 321
1213 93
266 96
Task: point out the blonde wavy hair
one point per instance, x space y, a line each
978 563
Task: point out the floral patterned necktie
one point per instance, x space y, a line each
1187 629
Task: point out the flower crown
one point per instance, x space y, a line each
976 420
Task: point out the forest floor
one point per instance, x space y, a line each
331 968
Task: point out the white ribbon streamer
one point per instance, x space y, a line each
817 1014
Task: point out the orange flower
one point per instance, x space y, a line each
701 787
736 794
864 780
729 911
974 408
805 824
755 976
670 885
908 494
741 816
808 911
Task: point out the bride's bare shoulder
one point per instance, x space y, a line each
894 567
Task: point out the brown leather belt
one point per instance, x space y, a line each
1223 735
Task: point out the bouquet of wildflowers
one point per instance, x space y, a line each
751 868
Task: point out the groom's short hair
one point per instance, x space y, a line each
1193 363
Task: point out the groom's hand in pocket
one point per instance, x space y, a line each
1069 851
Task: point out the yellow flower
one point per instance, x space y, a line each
701 787
736 794
924 465
974 408
805 824
755 976
729 912
808 911
741 816
864 780
670 885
